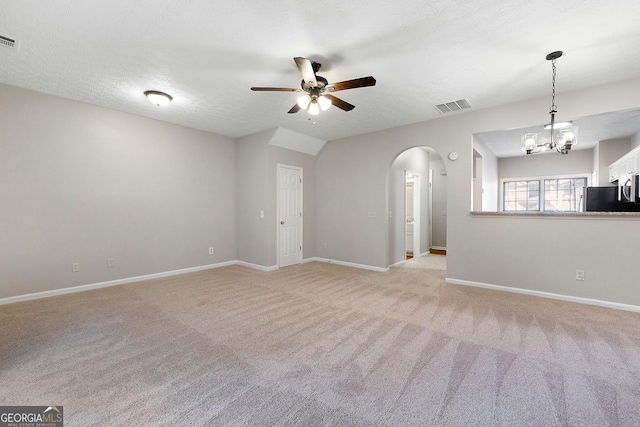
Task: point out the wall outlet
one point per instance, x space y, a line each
261 214
75 267
110 262
372 214
211 250
580 275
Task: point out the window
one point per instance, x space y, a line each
550 194
522 195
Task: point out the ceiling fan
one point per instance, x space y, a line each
317 88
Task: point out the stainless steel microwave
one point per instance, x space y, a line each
629 190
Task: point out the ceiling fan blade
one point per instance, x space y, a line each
294 109
275 89
343 105
355 83
306 69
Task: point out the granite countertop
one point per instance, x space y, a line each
577 215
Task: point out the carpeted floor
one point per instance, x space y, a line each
320 345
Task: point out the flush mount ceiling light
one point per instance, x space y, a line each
563 135
158 98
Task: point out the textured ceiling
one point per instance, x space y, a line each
208 54
591 130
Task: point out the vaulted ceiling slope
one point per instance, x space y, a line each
208 54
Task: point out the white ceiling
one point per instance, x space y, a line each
591 130
207 54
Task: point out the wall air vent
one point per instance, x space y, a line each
448 107
7 42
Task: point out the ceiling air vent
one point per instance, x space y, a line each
7 42
448 107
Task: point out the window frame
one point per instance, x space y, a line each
541 179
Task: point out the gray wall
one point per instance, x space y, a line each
256 174
548 164
608 152
635 140
80 183
482 249
439 219
490 181
308 164
252 177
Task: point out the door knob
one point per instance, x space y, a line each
282 222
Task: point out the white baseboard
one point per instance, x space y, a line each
257 266
56 292
425 253
440 248
81 288
399 263
580 300
348 264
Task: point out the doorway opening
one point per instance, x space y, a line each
417 205
412 215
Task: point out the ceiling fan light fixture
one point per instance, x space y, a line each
324 102
315 87
158 98
314 109
304 101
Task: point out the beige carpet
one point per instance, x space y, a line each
320 345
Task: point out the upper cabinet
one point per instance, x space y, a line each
628 164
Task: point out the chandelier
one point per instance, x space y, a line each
563 135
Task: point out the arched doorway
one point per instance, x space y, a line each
417 191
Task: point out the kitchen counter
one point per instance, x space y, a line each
563 215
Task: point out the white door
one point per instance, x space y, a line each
289 215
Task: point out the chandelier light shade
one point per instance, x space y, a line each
158 98
530 143
563 135
566 139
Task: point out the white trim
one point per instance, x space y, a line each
348 264
424 253
542 178
439 248
399 263
81 288
579 300
257 266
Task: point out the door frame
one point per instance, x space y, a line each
277 225
430 210
417 213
